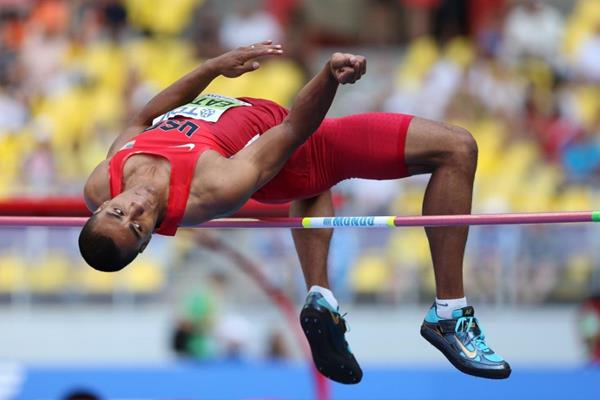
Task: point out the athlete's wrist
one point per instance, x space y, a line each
329 71
211 68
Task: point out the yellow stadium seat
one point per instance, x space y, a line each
166 17
541 184
277 80
490 136
106 63
576 277
93 282
91 155
588 104
161 61
516 162
460 50
144 277
421 54
408 246
575 198
370 275
65 116
51 275
13 273
580 24
11 158
108 107
539 73
410 202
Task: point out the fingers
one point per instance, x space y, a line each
250 66
348 67
266 48
346 75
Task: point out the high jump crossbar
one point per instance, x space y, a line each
345 222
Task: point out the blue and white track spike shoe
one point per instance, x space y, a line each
462 341
325 330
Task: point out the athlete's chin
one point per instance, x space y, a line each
144 197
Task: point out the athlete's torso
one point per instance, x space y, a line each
181 136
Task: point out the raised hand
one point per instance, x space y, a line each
244 59
347 68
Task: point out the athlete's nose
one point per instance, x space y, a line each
136 209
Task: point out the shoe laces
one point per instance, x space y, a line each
346 324
469 328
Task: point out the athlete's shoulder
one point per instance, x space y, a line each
97 187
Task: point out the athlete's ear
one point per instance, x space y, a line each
101 207
144 244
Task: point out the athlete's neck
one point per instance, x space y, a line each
152 183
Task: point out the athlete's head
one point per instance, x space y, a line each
118 231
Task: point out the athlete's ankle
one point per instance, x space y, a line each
444 307
326 293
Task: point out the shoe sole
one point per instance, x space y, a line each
438 342
319 336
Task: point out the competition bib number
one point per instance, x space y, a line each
207 107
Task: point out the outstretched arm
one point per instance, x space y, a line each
274 147
231 64
257 164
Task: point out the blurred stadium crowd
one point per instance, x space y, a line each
522 76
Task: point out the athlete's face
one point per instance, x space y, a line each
129 219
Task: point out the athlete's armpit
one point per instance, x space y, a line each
127 135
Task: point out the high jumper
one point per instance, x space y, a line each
188 157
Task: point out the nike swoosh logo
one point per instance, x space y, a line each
442 304
470 354
336 318
254 138
190 146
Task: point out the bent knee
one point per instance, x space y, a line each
462 145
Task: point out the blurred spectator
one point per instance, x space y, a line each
382 20
283 10
115 17
206 31
557 134
207 329
12 34
500 90
45 47
533 29
451 19
419 16
588 57
277 349
486 20
193 335
40 168
581 158
249 24
235 335
589 327
13 111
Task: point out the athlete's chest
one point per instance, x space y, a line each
148 165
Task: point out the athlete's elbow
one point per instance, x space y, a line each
297 130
